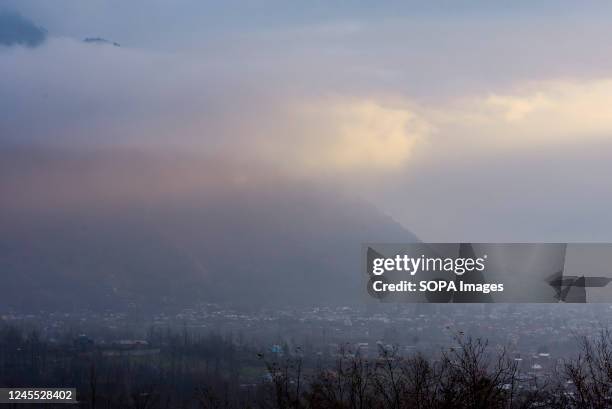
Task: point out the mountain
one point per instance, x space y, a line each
110 230
102 41
17 30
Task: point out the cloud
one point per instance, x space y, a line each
77 94
71 93
531 116
367 134
528 163
17 30
514 157
343 135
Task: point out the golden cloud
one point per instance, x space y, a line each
562 112
345 135
382 135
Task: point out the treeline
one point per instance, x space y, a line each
209 371
166 372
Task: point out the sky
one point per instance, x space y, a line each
464 121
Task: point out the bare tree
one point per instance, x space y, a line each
591 373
